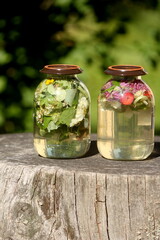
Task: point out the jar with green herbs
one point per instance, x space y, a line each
61 113
125 115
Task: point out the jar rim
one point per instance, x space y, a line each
61 69
125 70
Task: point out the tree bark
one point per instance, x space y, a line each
89 198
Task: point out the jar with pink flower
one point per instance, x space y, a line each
125 129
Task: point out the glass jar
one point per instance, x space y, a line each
61 113
125 115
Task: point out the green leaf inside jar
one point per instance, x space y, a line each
57 103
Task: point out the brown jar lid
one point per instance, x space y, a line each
61 69
125 70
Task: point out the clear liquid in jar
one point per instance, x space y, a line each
127 135
46 147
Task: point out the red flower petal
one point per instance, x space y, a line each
147 94
127 98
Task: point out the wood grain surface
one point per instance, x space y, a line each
89 198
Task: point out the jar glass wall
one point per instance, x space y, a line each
125 115
61 113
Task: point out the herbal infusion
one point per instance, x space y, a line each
125 115
62 127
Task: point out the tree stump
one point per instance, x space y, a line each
89 198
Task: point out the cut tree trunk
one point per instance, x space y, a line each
89 198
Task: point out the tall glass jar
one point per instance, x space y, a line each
61 113
125 115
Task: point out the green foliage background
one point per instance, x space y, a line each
89 33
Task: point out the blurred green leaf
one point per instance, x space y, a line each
91 34
3 83
13 110
62 3
30 72
21 57
2 23
4 57
27 96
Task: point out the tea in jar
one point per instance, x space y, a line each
61 113
125 128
